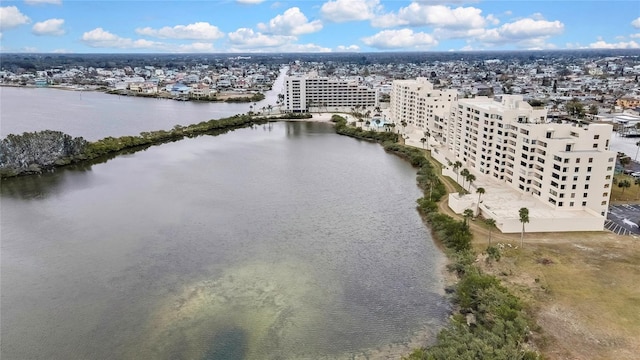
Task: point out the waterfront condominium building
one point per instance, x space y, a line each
566 169
418 104
566 166
312 91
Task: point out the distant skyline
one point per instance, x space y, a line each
221 26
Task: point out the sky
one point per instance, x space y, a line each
243 26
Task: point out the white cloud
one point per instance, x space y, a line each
247 38
438 16
636 23
400 39
349 10
51 27
635 36
291 22
349 48
601 44
99 38
37 2
195 31
196 47
250 2
525 31
11 17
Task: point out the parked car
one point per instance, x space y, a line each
636 175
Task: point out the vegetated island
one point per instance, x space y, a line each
35 152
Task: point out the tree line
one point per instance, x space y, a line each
35 152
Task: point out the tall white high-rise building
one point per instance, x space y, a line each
418 104
312 91
566 167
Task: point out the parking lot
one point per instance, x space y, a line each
623 219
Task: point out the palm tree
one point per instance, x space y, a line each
524 218
470 178
465 173
423 140
403 124
480 191
637 182
467 213
457 165
492 224
624 184
638 149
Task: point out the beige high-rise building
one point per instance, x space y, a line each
565 170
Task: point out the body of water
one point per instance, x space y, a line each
95 115
282 241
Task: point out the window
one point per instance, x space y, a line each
586 186
588 177
577 160
585 195
603 203
573 187
573 195
584 203
596 137
576 169
605 194
560 203
589 169
567 148
590 160
595 146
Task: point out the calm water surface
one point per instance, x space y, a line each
95 115
281 242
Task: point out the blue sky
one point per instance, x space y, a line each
150 26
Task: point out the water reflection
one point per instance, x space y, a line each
292 247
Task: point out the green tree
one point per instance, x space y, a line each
593 109
575 108
637 182
467 214
464 173
479 191
470 179
624 184
524 218
456 165
423 140
625 160
492 224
